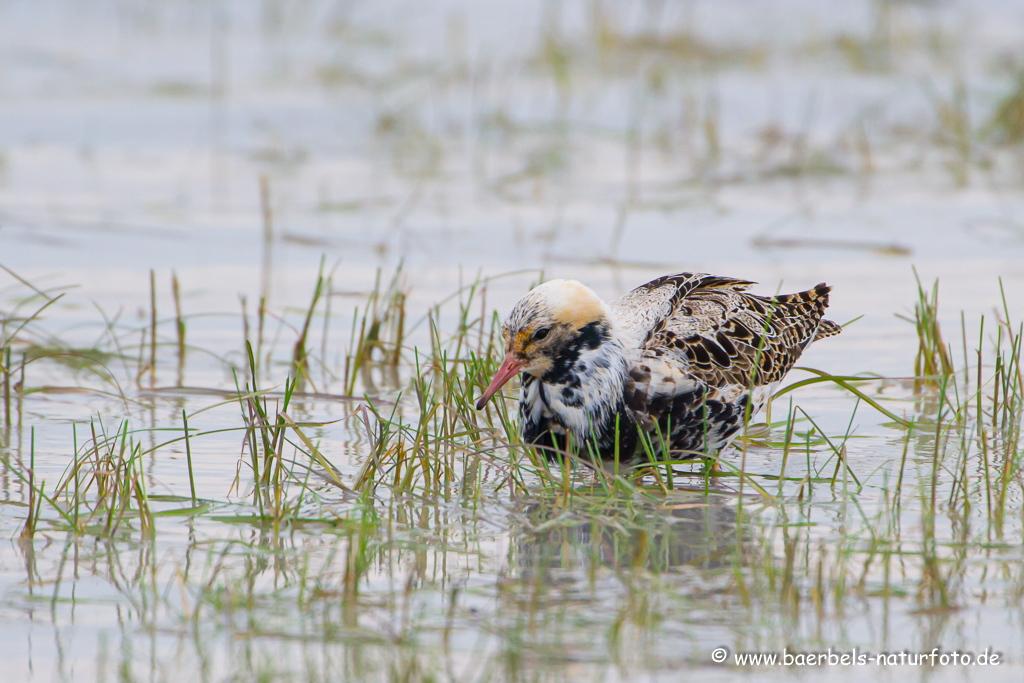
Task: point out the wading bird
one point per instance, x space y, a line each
683 360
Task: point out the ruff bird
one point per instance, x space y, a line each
683 360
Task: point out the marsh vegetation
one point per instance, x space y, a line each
241 338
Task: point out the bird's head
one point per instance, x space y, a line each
553 318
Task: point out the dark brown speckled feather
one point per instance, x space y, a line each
710 349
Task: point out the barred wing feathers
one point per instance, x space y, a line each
704 347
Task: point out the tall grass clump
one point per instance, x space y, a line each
381 329
932 362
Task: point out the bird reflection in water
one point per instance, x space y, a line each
698 531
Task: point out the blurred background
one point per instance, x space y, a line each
787 142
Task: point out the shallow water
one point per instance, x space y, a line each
787 143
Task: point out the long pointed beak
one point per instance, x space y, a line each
509 369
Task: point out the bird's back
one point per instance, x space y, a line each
706 354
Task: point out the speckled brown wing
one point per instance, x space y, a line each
711 349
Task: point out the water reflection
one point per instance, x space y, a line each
697 531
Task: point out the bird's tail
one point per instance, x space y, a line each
809 307
827 328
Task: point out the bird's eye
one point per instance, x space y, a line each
541 333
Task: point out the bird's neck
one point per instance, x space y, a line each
584 387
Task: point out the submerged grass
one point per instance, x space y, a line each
609 565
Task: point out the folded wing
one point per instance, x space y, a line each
702 344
